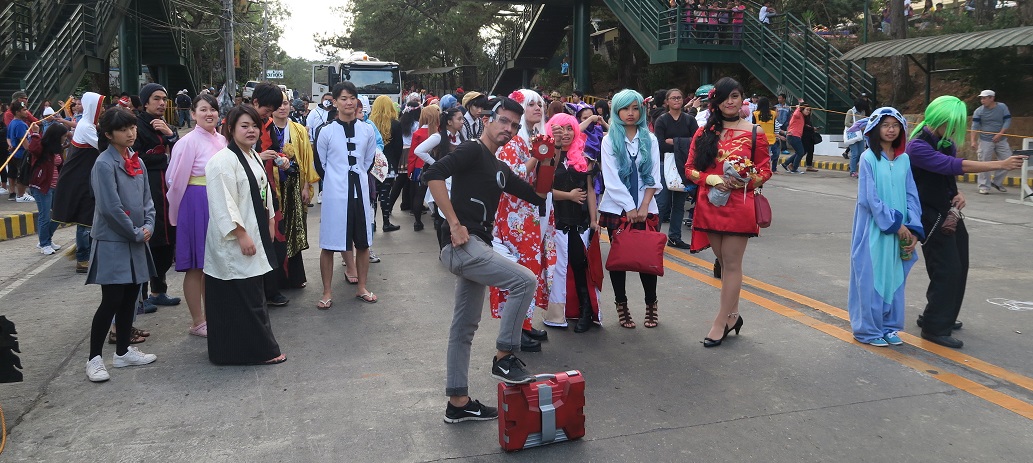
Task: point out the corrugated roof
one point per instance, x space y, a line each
434 70
1012 37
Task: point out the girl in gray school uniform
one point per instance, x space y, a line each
123 221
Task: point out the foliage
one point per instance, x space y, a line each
419 33
827 13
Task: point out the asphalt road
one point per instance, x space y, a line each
365 382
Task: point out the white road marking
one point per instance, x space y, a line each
991 222
36 271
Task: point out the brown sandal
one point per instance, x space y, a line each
133 338
624 315
651 317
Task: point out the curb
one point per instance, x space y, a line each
18 225
844 166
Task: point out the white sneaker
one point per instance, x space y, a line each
95 370
132 357
319 198
55 246
47 250
4 191
25 199
373 259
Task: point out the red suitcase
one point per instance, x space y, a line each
549 410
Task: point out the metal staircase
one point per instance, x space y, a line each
786 56
47 46
528 46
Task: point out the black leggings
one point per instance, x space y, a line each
578 261
117 301
419 191
618 279
163 257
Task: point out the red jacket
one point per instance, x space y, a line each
43 166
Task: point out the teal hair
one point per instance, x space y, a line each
946 111
617 135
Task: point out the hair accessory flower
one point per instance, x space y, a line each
710 94
517 96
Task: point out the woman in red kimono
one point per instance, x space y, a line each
728 159
518 224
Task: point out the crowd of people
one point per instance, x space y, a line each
519 189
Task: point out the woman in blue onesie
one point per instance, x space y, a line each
887 226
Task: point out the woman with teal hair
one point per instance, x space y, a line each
935 166
887 226
630 159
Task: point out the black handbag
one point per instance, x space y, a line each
817 138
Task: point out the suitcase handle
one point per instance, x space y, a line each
543 376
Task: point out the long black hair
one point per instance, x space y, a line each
444 146
410 116
764 109
706 145
113 118
603 106
51 142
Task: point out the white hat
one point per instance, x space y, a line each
987 93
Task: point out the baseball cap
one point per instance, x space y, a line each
987 93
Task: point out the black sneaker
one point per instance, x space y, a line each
510 370
278 300
474 410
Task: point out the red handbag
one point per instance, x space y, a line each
635 250
762 208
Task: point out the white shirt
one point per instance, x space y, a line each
764 15
48 111
617 198
424 150
230 205
315 119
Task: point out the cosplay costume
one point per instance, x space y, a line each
886 199
292 224
154 148
345 151
188 196
74 200
737 217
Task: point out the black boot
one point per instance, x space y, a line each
584 320
388 226
529 345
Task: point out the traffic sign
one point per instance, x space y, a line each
274 73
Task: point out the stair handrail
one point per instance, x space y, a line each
182 43
820 52
61 54
45 20
510 43
15 32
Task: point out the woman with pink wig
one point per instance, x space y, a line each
576 279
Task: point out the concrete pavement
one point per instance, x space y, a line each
365 382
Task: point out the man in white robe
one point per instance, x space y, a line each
344 153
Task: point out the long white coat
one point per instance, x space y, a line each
331 147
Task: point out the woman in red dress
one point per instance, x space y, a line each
725 217
429 120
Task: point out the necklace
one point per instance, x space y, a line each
730 119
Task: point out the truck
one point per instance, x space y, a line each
372 77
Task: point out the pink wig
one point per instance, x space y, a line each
576 150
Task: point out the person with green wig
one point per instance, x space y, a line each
935 167
630 160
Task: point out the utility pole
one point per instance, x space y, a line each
227 31
265 40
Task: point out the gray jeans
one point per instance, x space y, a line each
990 151
476 266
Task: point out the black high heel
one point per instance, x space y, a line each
707 342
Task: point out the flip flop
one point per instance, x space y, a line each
368 298
352 280
275 361
323 305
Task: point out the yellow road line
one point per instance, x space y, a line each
997 398
968 361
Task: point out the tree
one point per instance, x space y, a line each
901 73
419 33
985 10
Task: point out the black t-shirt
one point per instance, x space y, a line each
666 127
570 213
478 181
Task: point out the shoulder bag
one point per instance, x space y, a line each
761 206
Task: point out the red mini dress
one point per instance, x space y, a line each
738 216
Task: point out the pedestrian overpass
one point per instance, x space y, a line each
48 46
786 56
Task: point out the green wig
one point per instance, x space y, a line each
616 135
948 112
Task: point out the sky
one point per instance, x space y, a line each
307 19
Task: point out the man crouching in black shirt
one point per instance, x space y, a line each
478 180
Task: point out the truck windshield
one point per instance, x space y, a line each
381 81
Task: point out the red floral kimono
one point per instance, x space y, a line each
738 216
518 229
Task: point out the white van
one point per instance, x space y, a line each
249 88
